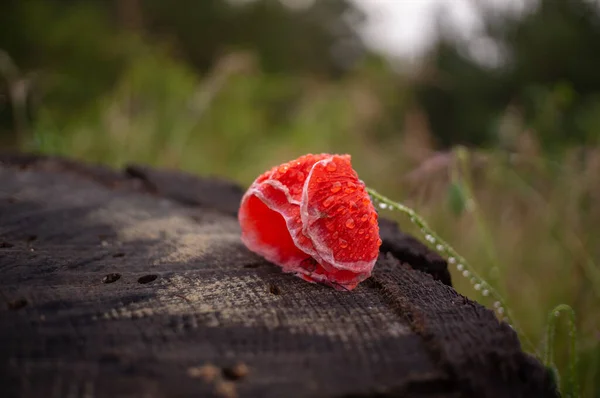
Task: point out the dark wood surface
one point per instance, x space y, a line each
136 284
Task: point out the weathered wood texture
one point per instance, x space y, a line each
130 284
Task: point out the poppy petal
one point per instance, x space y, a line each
313 217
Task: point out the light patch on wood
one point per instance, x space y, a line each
184 239
244 300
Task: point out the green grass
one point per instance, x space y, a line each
527 225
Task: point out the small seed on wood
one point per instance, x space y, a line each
236 372
208 372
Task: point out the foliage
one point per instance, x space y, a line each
544 63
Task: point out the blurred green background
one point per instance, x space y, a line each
230 88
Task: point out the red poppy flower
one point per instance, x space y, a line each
313 217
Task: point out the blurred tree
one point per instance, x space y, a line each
544 60
79 49
315 40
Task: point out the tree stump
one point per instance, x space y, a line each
136 284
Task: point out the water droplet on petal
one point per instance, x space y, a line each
460 267
343 243
329 201
353 206
331 166
336 187
350 223
350 188
382 206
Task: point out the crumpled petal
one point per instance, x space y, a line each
313 217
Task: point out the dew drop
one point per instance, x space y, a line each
353 206
364 217
460 267
500 310
497 304
440 248
383 206
350 188
451 260
336 187
429 238
331 166
466 273
478 287
329 201
485 292
300 176
350 224
282 169
343 243
413 220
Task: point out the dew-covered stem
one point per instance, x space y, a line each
453 257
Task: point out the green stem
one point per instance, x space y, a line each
462 265
472 206
570 388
